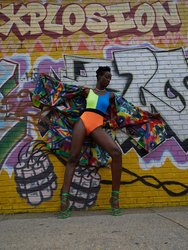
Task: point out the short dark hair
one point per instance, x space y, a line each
101 69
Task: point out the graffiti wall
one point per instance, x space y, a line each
146 45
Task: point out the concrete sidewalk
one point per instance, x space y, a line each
151 228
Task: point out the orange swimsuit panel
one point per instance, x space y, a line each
91 121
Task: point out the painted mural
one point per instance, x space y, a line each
146 45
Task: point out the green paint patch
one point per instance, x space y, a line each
13 136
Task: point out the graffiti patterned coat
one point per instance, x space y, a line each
63 105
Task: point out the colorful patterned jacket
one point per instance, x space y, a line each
65 104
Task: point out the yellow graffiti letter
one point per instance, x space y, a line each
120 23
96 23
49 21
14 19
147 11
37 13
162 15
73 17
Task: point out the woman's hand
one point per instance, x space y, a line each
155 116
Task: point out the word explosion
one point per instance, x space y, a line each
34 19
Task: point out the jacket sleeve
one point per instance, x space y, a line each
50 92
146 129
123 114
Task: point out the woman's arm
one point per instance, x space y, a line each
110 121
85 92
113 105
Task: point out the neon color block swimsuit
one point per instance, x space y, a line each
96 107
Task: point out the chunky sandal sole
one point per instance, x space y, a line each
116 212
64 214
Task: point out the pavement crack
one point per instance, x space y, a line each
177 223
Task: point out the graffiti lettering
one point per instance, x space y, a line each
34 19
160 88
14 19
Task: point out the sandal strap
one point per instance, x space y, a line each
115 192
65 194
64 198
115 197
65 214
65 201
116 211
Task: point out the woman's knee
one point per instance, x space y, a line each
73 159
116 152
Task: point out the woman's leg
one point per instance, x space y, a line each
106 142
78 137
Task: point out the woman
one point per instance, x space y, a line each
89 124
76 112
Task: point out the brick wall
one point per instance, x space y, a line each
145 44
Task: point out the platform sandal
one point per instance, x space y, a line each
63 214
114 202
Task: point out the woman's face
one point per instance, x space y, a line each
105 79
